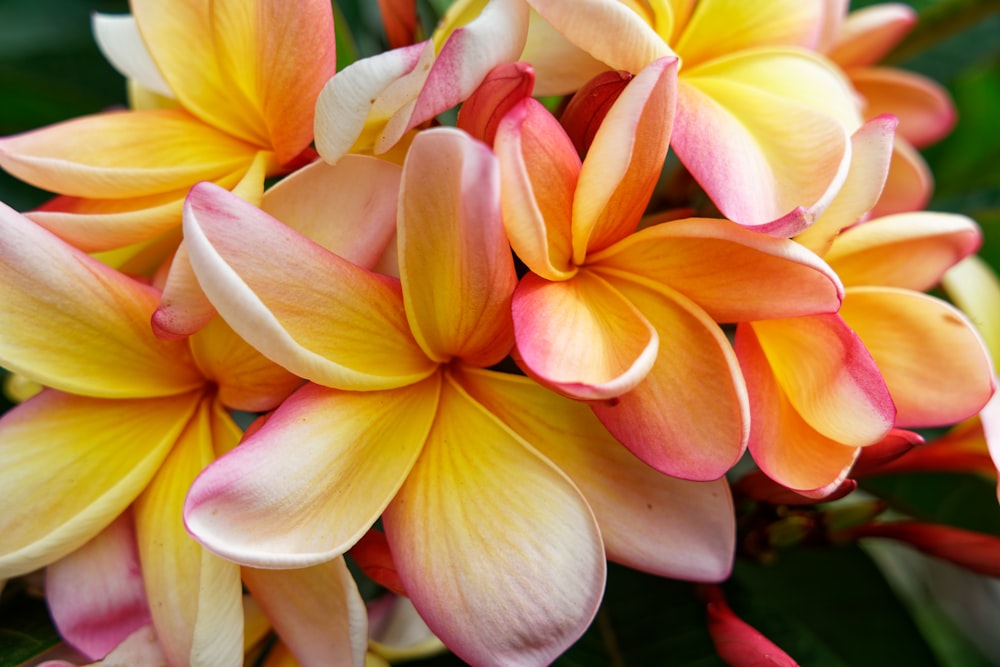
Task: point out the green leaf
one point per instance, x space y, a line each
25 629
963 501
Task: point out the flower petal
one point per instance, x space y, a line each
121 154
195 597
503 87
931 357
869 34
352 333
95 594
93 457
908 250
624 161
121 43
734 274
581 336
317 611
345 472
765 132
828 376
649 521
454 260
973 286
538 170
785 447
688 418
560 66
72 323
478 505
924 108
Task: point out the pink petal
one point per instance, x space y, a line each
477 507
95 594
454 260
344 469
581 336
505 86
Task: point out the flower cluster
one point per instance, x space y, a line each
485 359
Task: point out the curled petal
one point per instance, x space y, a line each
871 154
738 643
785 447
908 250
72 323
503 87
85 452
454 260
120 41
96 595
924 108
624 161
351 333
317 611
828 376
539 168
581 336
479 505
352 451
688 417
195 597
734 274
931 357
760 143
649 521
588 107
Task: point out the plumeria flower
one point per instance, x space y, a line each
127 419
763 122
497 497
627 320
857 41
373 103
893 356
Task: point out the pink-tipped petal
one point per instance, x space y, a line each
497 549
624 161
908 250
931 357
924 108
503 87
734 274
95 595
351 451
870 33
538 169
72 323
454 260
738 643
317 611
349 333
871 153
84 452
581 336
195 597
761 143
828 376
785 447
649 521
688 418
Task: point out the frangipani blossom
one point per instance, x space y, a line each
241 114
628 320
494 493
126 420
762 122
371 104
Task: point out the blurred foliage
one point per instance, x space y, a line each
826 607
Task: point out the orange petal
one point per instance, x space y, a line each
931 357
924 108
869 34
909 185
581 336
454 259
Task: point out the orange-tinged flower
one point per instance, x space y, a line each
127 420
473 472
762 121
240 114
628 320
